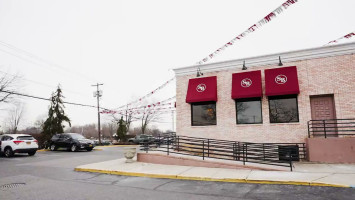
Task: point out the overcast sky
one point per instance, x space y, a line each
132 45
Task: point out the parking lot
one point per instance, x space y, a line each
51 175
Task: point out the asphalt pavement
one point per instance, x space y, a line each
51 175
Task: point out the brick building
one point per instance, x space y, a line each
267 102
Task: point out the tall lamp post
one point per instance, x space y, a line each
98 94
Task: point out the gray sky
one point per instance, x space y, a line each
132 45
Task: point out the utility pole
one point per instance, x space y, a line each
98 94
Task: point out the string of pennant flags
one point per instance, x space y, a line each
152 105
251 29
147 95
159 105
347 36
133 112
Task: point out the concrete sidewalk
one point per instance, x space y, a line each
304 174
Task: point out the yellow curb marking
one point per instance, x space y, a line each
278 182
329 185
50 150
208 179
119 145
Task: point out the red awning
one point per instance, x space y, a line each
246 85
202 89
281 81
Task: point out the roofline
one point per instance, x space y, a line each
272 59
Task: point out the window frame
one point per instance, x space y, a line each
203 103
246 100
284 97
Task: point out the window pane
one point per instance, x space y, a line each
76 136
283 109
203 114
25 138
249 112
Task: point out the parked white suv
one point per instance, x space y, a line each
18 143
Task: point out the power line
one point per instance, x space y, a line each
40 83
47 99
35 57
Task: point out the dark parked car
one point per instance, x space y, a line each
140 139
165 138
70 141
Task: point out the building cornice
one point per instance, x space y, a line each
272 59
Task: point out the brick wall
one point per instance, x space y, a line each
330 75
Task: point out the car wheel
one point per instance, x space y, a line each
8 152
89 149
53 147
32 153
73 148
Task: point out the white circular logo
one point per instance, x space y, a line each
281 79
246 82
201 87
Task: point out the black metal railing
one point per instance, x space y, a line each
278 154
331 128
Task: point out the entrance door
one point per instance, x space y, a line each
322 108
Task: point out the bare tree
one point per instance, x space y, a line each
154 131
88 130
15 117
39 123
148 115
108 129
8 84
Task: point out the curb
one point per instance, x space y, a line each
42 150
210 179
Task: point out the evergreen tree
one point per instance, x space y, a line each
121 130
56 115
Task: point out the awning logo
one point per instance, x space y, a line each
281 79
246 82
201 87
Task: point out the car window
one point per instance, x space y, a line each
77 136
62 136
25 138
6 138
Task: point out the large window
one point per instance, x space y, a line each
283 109
203 114
249 111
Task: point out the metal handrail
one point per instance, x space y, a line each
331 127
279 154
